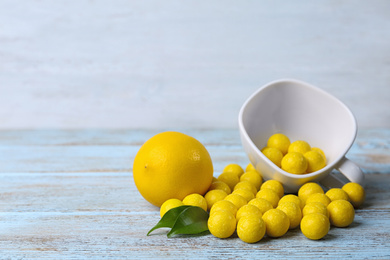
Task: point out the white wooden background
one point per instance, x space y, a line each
156 64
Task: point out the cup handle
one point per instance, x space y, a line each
349 169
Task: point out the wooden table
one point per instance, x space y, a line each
70 194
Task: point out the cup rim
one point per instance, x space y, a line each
275 167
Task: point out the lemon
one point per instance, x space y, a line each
269 195
246 185
235 168
356 193
224 205
275 186
222 224
293 212
307 189
315 226
315 207
195 200
337 194
292 198
319 197
254 177
262 204
250 167
341 213
212 196
247 194
236 199
315 161
275 155
251 228
294 163
247 210
230 178
276 222
220 185
279 141
169 204
299 146
172 165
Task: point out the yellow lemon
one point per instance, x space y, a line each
315 207
224 205
341 213
230 178
315 161
279 141
356 193
222 224
212 196
319 197
235 168
275 155
247 210
315 226
254 177
195 200
293 212
337 194
169 204
262 204
294 163
299 146
292 198
276 222
172 165
308 189
275 186
220 185
251 228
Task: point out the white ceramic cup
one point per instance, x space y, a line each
301 112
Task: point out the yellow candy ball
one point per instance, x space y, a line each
315 226
356 193
279 141
277 222
341 213
251 228
295 163
222 224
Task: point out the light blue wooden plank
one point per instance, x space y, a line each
122 235
114 150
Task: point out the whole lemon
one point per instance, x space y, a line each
172 165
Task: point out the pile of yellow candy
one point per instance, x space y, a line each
239 201
297 157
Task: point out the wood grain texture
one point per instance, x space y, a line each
70 194
87 64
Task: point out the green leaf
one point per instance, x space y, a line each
184 220
169 218
191 221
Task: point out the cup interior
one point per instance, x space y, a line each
302 112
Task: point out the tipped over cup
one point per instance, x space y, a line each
301 112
